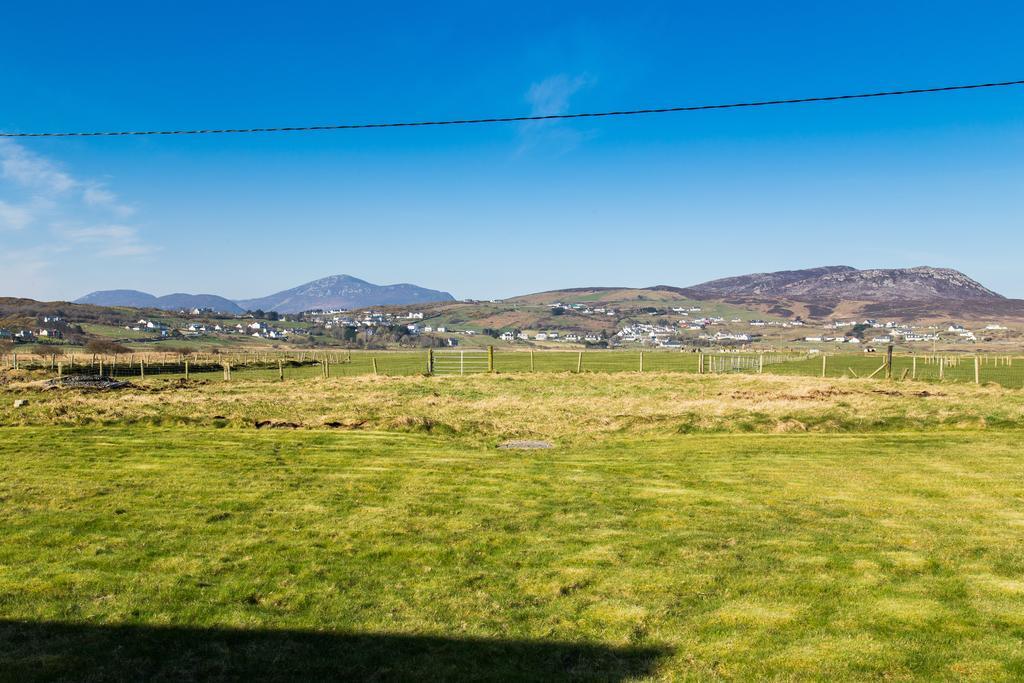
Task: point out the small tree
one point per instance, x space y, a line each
858 330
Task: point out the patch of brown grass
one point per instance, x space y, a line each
565 407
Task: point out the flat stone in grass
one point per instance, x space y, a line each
524 445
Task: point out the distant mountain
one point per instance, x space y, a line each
843 283
119 297
337 291
841 291
170 302
761 284
343 291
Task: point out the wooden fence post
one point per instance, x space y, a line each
888 362
374 365
490 359
142 369
913 368
760 363
977 371
280 370
824 361
579 363
942 368
531 360
430 361
186 369
641 360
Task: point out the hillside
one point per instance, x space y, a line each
16 313
343 291
832 283
919 293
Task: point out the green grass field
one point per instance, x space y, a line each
114 331
147 553
719 526
1002 370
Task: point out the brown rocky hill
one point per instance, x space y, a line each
922 292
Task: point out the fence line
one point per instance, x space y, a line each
1006 370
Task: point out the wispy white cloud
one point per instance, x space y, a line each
548 97
62 209
33 171
14 217
552 95
97 195
109 239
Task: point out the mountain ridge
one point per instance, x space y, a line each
845 283
818 292
334 291
133 298
343 291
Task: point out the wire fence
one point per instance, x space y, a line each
1004 370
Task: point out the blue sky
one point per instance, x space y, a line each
491 211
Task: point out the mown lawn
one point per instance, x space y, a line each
140 552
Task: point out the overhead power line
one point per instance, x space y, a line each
514 119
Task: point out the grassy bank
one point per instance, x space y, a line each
301 553
565 407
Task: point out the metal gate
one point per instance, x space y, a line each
460 362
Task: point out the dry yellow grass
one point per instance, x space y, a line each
565 407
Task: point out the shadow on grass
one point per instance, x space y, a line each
33 651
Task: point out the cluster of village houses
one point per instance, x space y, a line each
661 334
255 328
893 332
49 329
